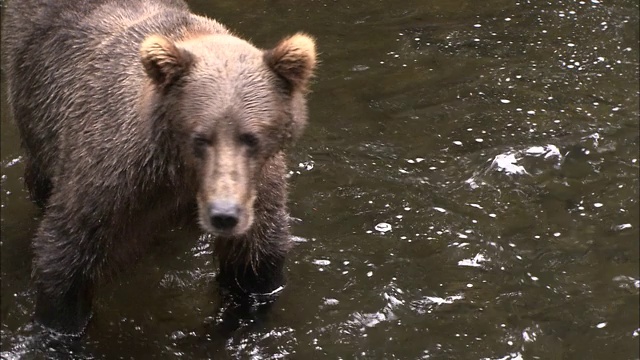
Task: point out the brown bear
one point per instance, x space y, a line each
137 113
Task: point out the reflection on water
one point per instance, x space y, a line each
467 188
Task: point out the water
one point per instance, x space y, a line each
467 189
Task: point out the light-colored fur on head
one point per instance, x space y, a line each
230 90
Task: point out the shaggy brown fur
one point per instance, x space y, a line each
134 113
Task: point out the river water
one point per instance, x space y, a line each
467 189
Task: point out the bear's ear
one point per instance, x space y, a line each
163 61
294 59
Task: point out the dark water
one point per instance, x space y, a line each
467 189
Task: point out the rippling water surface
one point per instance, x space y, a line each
467 189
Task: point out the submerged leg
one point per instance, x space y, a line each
38 184
253 264
68 258
247 271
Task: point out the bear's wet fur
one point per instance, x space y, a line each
135 114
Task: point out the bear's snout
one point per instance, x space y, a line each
224 215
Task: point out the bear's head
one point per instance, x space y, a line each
229 107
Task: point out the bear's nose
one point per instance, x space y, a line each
224 214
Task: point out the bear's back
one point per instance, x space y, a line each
63 32
74 68
59 45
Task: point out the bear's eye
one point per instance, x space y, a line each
200 143
249 140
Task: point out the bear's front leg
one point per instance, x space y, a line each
251 272
253 264
67 258
38 184
66 308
